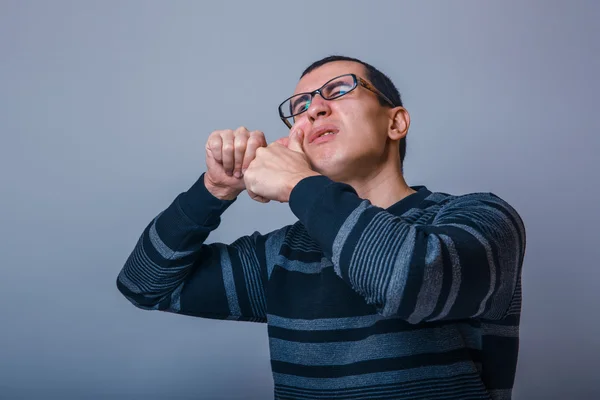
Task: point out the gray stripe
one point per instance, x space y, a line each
372 257
510 257
385 257
500 330
304 267
437 197
175 305
379 378
379 346
128 283
432 281
152 275
299 239
251 273
149 276
395 289
324 323
456 278
165 251
490 259
302 244
226 267
273 247
515 304
344 232
510 210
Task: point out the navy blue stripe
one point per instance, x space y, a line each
381 346
371 366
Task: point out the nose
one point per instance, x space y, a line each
319 108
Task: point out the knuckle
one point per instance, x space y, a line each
242 130
224 132
240 142
254 141
227 137
213 143
227 146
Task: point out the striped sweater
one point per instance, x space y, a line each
421 300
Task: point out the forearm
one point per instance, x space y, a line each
463 263
169 246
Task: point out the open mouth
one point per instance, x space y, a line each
323 133
327 134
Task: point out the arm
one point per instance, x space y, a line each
464 262
172 269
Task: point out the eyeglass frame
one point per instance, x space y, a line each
357 80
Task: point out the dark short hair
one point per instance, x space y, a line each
381 81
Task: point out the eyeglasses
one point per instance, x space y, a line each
332 89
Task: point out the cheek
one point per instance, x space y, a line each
302 123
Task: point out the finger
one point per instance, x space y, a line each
256 197
295 140
239 144
255 141
214 146
227 151
284 141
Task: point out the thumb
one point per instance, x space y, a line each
295 142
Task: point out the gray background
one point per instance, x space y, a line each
105 107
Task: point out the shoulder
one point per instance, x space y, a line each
442 198
474 200
481 209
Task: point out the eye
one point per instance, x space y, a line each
301 106
299 103
337 89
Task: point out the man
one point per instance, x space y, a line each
380 290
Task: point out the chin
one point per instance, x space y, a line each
333 165
333 172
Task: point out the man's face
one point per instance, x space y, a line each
358 122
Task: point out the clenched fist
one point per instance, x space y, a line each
228 155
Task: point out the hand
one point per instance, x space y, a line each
278 168
228 154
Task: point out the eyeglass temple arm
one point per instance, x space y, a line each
373 89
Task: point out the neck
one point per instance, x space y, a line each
383 186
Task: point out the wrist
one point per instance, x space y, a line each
220 192
293 182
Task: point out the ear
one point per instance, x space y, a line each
399 123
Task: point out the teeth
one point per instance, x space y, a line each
326 133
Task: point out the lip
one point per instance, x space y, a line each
316 132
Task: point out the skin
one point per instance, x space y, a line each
363 154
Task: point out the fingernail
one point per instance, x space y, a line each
237 174
228 173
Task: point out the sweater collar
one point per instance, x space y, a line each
410 201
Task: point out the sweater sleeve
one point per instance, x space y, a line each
172 269
464 261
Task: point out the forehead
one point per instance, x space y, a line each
317 77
